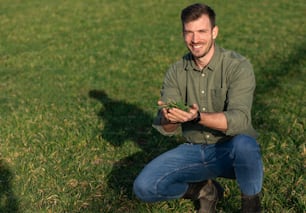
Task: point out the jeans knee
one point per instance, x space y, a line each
138 188
248 164
141 189
245 144
246 147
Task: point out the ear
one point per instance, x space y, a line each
215 32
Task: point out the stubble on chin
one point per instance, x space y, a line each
200 56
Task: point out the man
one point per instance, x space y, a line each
218 87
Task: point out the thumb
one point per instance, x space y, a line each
160 103
195 107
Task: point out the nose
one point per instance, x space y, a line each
195 37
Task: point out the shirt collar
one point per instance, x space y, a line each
191 65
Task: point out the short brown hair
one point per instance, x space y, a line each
195 11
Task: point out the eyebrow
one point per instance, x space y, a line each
200 30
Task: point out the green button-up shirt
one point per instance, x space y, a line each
226 85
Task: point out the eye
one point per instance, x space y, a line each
187 33
202 31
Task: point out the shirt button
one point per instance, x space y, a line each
202 91
203 109
207 136
203 74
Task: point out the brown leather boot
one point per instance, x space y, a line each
250 204
207 194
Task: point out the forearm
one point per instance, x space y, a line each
170 119
214 120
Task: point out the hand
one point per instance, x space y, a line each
175 115
164 111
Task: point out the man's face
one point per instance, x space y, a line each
199 36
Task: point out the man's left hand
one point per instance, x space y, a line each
175 115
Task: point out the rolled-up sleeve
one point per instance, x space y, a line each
171 86
170 92
157 125
240 99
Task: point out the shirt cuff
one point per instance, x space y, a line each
157 125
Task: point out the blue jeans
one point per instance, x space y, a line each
167 176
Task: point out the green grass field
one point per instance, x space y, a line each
79 82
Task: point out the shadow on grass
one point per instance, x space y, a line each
122 122
8 201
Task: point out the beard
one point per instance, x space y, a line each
203 54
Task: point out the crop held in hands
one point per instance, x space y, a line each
173 104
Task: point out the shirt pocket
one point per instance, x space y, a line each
219 99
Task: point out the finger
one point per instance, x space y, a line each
195 106
179 112
180 115
174 115
164 111
160 103
171 118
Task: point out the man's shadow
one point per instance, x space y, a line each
8 201
122 122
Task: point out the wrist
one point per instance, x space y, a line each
165 121
197 119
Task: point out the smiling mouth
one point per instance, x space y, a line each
197 46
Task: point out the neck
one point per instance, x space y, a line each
203 61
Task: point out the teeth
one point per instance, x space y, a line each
197 46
